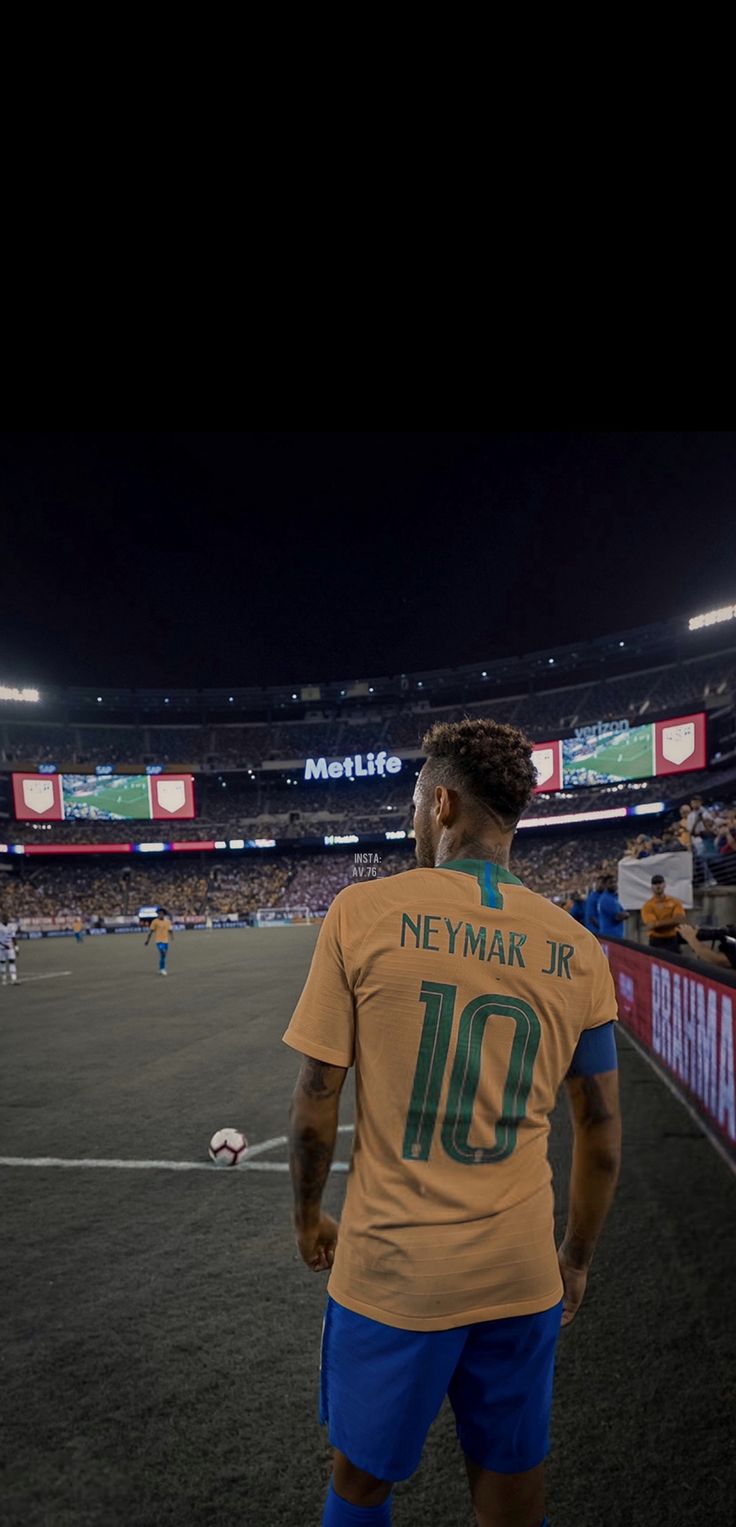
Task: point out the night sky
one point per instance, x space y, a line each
198 559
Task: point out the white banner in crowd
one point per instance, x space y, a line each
635 879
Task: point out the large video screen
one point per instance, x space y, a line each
610 752
119 797
607 759
106 798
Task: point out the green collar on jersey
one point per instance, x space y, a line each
489 876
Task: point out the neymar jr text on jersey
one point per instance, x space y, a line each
442 935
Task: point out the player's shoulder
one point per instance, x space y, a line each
370 892
360 905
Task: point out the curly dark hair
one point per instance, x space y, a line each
491 761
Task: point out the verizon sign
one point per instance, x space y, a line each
610 752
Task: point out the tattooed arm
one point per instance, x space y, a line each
596 1159
312 1132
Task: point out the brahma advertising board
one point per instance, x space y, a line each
684 1019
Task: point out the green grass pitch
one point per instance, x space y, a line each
631 758
119 798
161 1339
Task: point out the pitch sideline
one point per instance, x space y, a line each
248 1164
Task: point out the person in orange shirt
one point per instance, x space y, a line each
661 914
162 931
463 1000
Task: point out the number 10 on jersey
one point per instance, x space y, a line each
439 1001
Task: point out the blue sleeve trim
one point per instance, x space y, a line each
596 1051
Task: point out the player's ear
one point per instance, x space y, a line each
446 802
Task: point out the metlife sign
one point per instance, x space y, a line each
352 767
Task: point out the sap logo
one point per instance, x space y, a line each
352 768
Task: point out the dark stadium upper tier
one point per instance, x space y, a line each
624 659
702 683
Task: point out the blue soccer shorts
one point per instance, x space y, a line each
381 1388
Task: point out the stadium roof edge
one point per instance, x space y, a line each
615 655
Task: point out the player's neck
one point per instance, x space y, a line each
465 845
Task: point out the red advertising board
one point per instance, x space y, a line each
55 797
684 1020
74 848
37 797
679 744
172 795
547 760
198 845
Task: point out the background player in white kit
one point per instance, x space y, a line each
8 930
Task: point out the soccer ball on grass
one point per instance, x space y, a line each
228 1147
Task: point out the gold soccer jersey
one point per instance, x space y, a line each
460 997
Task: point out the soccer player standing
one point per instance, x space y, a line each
7 949
161 930
463 999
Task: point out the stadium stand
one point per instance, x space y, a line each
249 778
56 889
543 713
267 807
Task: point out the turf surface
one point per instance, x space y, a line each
161 1339
121 797
630 758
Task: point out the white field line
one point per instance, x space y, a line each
167 1166
49 975
247 1164
267 1145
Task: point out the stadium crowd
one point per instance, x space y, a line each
238 887
708 831
238 799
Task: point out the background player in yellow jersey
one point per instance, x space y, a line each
463 1000
162 932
